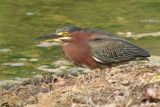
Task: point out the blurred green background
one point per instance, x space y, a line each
21 21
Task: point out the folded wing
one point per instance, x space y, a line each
112 50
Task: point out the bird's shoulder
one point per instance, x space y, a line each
98 32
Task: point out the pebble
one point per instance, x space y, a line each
5 50
14 64
29 13
154 60
42 67
63 67
61 62
150 21
47 44
125 83
25 59
22 59
47 69
33 60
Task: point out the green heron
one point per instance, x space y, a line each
94 48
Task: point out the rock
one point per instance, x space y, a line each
5 50
22 59
154 61
29 13
16 64
74 70
129 34
150 21
125 83
137 36
17 80
61 62
47 44
2 83
33 60
46 68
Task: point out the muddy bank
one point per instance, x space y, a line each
131 85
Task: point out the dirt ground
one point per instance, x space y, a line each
129 85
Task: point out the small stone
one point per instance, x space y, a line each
126 83
47 44
63 67
14 64
18 78
33 60
42 67
129 34
121 33
29 13
150 20
154 61
61 62
22 59
47 69
5 50
73 71
53 70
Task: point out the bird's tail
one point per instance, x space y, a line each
143 53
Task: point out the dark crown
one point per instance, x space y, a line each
68 29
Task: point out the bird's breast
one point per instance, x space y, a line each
79 54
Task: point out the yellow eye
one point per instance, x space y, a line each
65 33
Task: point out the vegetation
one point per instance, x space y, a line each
22 21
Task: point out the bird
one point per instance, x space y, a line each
94 48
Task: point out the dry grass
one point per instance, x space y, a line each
130 85
122 87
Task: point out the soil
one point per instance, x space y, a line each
129 85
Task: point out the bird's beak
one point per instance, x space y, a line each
53 37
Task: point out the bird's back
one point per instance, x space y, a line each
108 49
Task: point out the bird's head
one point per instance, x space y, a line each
61 34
